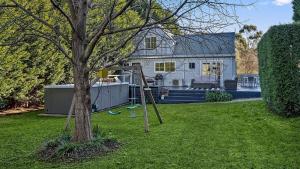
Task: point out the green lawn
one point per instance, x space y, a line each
214 135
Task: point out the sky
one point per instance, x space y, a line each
265 13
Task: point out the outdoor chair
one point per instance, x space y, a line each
205 82
230 84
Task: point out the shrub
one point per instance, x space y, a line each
217 96
3 104
63 148
279 68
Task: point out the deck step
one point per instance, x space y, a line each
184 98
187 91
186 94
180 101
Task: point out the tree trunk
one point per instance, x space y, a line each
83 108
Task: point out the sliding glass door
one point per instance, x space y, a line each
211 71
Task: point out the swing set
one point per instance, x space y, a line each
143 87
144 90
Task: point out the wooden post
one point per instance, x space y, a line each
149 93
71 110
146 124
142 81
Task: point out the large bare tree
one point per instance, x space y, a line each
83 31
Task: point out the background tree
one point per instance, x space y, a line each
26 66
33 72
158 13
246 45
23 71
85 33
296 8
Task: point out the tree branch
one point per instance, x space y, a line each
56 43
149 24
28 12
7 6
108 19
129 38
64 14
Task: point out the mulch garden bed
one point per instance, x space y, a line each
19 110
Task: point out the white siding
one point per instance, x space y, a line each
165 53
182 72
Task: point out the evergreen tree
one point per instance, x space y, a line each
31 63
25 69
296 8
158 13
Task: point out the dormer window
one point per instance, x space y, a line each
150 42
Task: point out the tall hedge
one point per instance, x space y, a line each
279 68
296 9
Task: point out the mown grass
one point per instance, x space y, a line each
213 135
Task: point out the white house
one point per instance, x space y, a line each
181 60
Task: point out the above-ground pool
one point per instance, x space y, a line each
58 98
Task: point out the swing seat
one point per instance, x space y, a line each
132 107
113 113
132 114
131 110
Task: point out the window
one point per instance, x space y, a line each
215 69
159 67
211 69
205 69
136 64
192 65
170 66
165 67
150 42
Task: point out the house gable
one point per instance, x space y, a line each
164 42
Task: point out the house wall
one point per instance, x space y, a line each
182 72
198 53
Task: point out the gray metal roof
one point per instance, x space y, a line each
216 43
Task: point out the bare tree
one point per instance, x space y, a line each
83 31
